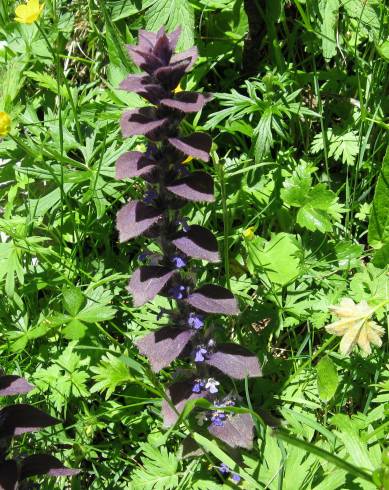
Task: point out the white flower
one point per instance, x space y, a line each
212 385
355 326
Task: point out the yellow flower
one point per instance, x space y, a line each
249 233
5 123
177 89
355 326
28 13
187 160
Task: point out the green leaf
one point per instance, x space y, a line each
327 378
110 373
329 11
378 233
171 14
279 257
211 447
320 209
74 330
344 147
349 434
348 254
364 13
297 186
72 299
159 470
383 50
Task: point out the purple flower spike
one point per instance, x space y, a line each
171 185
195 321
224 469
200 351
179 262
177 292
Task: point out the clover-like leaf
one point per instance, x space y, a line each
179 393
44 464
164 345
197 145
198 242
235 361
14 385
135 218
355 326
21 418
237 431
214 299
8 475
146 282
133 164
197 186
143 121
187 101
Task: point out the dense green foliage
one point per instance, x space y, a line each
300 160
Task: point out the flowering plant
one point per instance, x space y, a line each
19 419
158 216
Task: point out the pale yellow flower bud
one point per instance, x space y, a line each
355 326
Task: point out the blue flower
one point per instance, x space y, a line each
184 223
218 417
225 471
143 255
200 351
177 292
178 261
195 321
198 385
149 196
235 477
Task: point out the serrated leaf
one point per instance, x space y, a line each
297 186
72 299
327 378
171 14
320 209
278 257
110 373
365 14
74 330
159 470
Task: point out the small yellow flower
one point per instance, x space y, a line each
249 233
28 13
5 123
187 160
177 89
355 326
